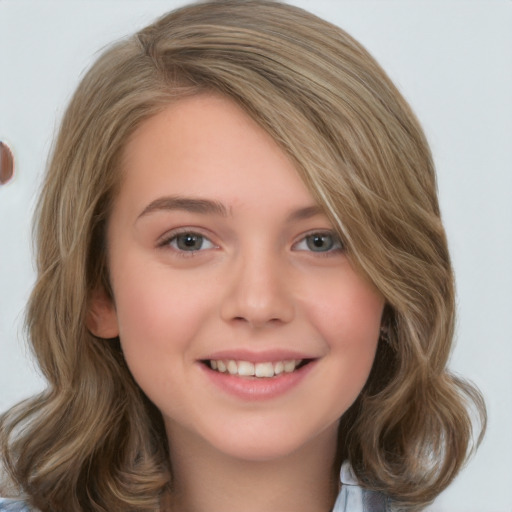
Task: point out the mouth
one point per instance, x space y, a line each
259 370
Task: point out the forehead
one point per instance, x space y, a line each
206 145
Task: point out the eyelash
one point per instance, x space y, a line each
171 240
336 248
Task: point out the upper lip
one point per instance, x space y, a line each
262 356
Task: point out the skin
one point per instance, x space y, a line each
256 282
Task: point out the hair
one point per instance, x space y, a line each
92 440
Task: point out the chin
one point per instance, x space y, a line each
259 452
272 443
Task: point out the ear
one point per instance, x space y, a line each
102 317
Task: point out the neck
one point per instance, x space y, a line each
204 480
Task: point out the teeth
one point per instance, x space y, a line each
289 366
232 368
245 368
248 369
264 370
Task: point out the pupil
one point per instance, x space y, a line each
322 242
190 241
318 241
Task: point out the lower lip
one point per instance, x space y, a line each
258 388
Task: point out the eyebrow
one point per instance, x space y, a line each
305 213
208 206
189 204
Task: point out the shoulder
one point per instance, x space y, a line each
14 505
354 498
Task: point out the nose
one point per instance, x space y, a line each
260 292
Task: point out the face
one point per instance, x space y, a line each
238 310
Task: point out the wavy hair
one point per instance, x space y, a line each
92 441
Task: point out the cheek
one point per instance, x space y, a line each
155 329
350 311
152 300
348 319
155 321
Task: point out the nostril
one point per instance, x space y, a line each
6 163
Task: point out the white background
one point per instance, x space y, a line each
451 59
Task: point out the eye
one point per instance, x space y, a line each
320 242
188 241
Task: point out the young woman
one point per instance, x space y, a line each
244 290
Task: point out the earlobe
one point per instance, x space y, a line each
102 317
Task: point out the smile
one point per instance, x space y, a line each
259 370
256 380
